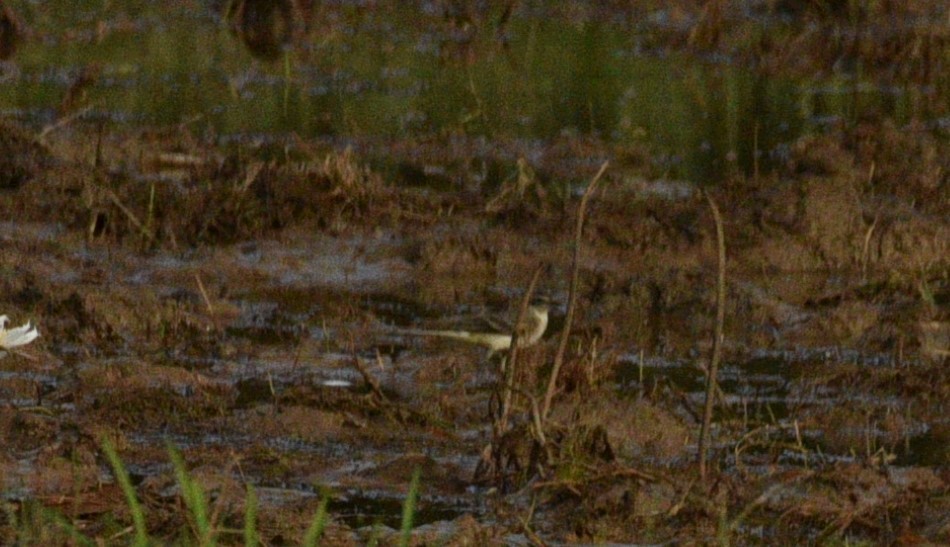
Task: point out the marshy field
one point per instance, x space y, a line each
226 218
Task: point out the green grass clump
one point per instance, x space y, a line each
409 509
122 477
34 524
319 523
194 499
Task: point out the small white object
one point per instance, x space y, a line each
19 336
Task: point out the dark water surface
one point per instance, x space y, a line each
375 75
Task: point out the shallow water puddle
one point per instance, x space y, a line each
774 394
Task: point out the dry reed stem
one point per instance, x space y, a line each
204 296
62 122
509 370
572 298
146 233
370 380
711 384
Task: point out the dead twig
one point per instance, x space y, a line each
866 249
509 370
62 122
572 298
204 295
608 475
535 413
146 233
370 380
492 453
711 383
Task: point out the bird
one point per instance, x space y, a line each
536 323
19 336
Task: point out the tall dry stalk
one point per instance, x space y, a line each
572 298
512 362
713 371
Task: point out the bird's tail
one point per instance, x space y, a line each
453 334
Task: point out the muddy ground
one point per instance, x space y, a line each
242 304
207 305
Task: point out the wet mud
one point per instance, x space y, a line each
247 303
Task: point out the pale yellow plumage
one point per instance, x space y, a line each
537 321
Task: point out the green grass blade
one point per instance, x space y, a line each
122 476
250 518
194 497
409 509
319 523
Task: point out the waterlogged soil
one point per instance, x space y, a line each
241 304
242 311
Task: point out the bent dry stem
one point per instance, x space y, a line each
711 384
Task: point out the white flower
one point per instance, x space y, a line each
19 336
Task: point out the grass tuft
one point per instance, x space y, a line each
251 538
122 476
409 509
194 498
319 523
